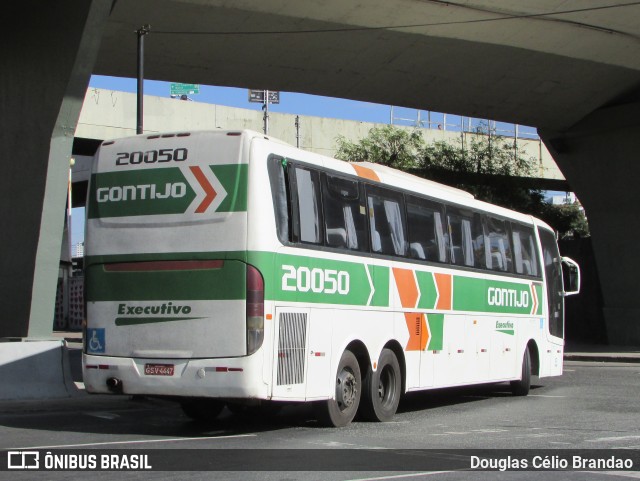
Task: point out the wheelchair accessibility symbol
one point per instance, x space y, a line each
95 340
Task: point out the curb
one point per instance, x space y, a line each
617 358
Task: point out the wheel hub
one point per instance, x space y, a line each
346 389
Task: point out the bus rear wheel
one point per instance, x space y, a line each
202 409
340 411
522 386
381 389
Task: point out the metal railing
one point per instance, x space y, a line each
427 119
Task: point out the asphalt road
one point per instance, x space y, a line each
592 406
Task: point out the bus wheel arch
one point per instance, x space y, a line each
361 353
535 357
530 366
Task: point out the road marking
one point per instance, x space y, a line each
490 431
334 444
605 440
337 444
136 441
102 415
544 395
624 474
400 476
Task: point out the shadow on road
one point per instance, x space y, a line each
140 415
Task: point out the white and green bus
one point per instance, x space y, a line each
228 268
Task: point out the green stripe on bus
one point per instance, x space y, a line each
511 332
322 281
303 279
132 321
161 191
436 329
226 283
485 295
234 179
380 278
428 291
538 287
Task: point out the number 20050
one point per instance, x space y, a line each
326 281
152 156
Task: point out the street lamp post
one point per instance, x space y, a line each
142 31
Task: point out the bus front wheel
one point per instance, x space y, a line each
340 411
522 386
382 388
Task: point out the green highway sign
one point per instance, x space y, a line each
184 89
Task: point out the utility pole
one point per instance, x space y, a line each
297 131
264 97
142 31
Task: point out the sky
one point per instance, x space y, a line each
291 103
302 104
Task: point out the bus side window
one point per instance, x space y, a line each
344 216
524 250
466 238
281 206
426 233
499 255
309 222
386 221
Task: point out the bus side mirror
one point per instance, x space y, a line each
571 277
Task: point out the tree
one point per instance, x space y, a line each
390 146
488 166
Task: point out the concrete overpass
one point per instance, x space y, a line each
110 114
569 67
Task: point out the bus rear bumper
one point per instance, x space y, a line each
216 378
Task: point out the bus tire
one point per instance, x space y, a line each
205 410
382 389
522 386
340 411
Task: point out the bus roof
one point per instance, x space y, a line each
385 175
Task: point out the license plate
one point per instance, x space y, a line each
159 369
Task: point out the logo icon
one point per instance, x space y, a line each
23 460
96 340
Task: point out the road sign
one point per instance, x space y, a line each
184 89
258 96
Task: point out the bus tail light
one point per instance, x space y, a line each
255 309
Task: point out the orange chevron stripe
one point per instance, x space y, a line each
208 189
407 287
444 285
418 332
365 172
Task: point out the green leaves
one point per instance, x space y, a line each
468 163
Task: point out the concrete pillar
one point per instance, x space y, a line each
600 158
49 49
